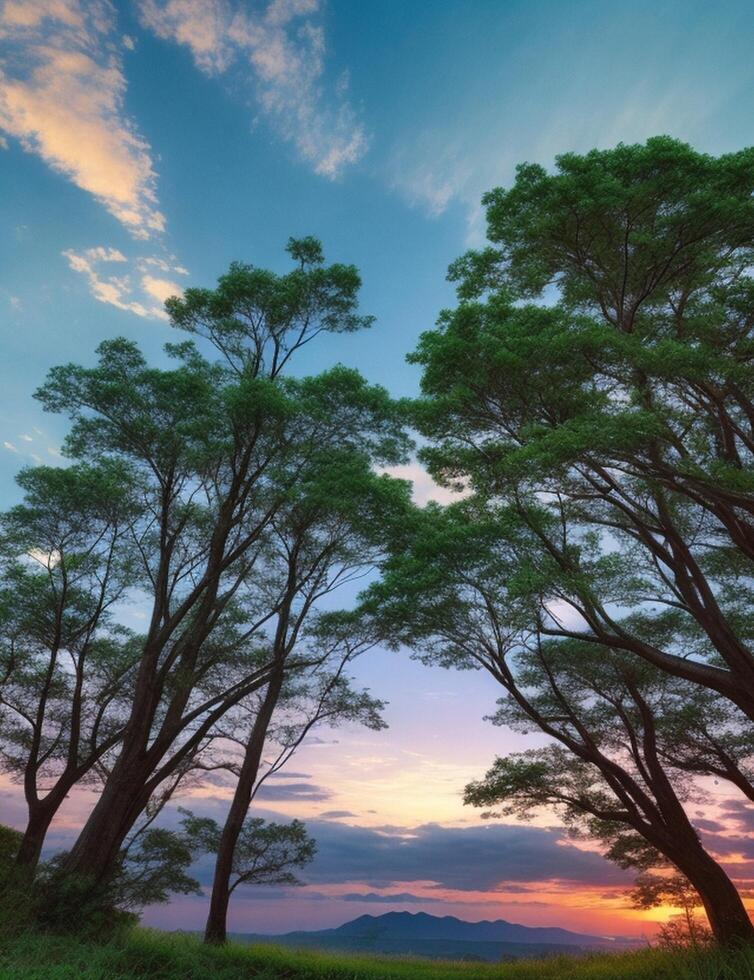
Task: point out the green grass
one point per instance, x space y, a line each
162 956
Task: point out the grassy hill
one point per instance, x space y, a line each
148 955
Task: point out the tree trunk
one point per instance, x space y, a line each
40 818
728 919
101 839
215 931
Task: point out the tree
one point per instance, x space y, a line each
321 698
65 663
683 931
153 865
624 411
217 450
333 532
459 597
266 853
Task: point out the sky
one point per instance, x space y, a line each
145 145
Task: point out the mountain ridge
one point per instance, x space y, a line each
444 937
423 925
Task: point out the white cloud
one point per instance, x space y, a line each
160 289
48 559
424 487
283 49
431 172
61 95
9 446
129 285
202 25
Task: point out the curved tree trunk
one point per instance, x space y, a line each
122 800
728 919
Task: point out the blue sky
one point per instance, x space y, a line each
145 145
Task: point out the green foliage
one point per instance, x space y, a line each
65 663
152 867
9 841
654 219
156 868
258 319
604 429
266 853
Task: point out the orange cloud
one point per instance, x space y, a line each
61 95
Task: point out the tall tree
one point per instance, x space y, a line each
265 853
459 596
626 408
280 726
218 449
65 663
334 531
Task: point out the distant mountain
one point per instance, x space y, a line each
443 937
419 925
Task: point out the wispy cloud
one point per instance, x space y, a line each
477 144
281 51
28 444
128 284
61 95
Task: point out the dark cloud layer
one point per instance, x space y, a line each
741 812
392 898
286 792
468 858
476 858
